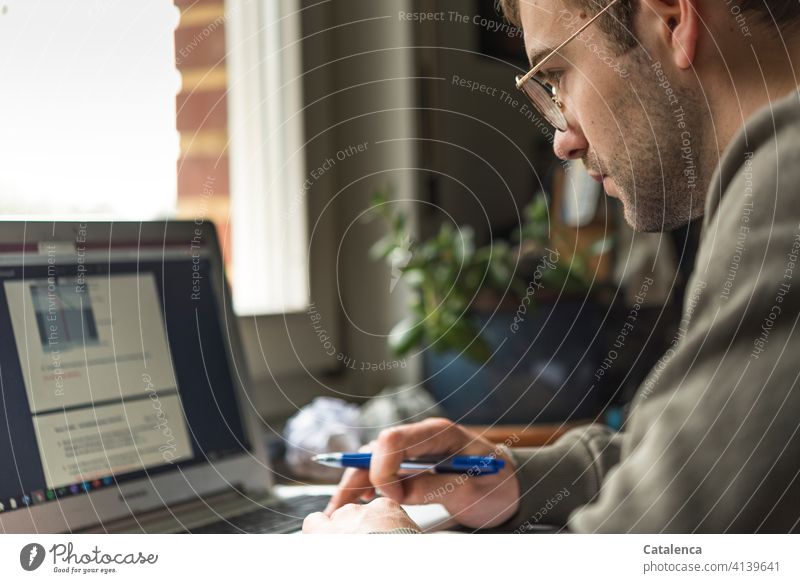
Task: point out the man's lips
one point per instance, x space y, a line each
610 187
606 181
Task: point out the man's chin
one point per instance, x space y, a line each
652 222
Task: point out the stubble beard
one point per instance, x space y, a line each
660 166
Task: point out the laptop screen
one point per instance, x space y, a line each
113 367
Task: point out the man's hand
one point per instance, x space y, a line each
381 514
474 501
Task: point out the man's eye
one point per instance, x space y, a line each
554 78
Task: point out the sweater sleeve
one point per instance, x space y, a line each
556 479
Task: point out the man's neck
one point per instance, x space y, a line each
755 75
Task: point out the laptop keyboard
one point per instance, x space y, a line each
281 516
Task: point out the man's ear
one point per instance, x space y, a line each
679 28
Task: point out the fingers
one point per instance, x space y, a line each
429 437
429 488
316 522
354 484
368 495
434 436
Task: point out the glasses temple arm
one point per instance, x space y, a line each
549 55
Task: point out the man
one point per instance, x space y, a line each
682 108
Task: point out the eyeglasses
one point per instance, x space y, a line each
542 94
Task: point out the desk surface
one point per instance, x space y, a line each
525 435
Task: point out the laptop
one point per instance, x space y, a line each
125 404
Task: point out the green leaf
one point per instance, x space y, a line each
413 276
464 244
382 195
405 335
382 247
399 257
444 240
602 246
500 274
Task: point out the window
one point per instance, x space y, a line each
88 125
87 110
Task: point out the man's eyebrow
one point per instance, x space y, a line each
536 55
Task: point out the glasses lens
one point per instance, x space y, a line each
543 101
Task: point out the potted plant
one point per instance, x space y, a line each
493 321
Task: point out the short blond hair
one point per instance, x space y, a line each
619 28
785 12
510 9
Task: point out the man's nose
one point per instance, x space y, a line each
570 144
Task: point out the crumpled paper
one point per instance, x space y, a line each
332 425
393 406
324 425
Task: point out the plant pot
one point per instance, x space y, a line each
541 373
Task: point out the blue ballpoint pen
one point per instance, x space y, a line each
474 465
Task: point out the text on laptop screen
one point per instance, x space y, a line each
113 366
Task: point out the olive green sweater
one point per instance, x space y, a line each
712 441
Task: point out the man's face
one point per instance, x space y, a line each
637 127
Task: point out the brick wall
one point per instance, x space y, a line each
202 117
